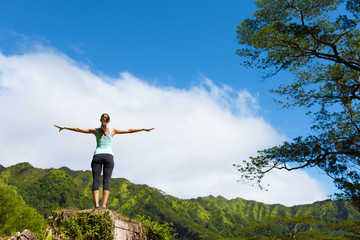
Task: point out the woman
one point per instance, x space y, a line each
103 155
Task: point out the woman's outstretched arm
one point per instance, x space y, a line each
75 129
132 130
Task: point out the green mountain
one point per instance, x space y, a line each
202 218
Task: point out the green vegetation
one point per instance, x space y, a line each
319 45
15 215
98 224
201 218
90 225
156 231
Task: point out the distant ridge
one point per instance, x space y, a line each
198 218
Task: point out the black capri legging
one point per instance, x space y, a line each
100 160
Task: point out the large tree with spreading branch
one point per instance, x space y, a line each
318 41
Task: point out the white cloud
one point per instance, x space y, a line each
199 132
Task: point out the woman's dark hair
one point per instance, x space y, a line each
104 119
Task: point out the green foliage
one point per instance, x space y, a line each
91 225
46 235
254 230
15 215
321 50
292 226
153 230
349 226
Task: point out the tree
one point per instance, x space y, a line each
291 226
320 45
15 215
349 226
257 231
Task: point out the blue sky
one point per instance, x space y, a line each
165 44
169 43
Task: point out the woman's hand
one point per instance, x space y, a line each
60 128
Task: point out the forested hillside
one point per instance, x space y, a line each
202 218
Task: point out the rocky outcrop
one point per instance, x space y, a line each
25 235
127 230
96 222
